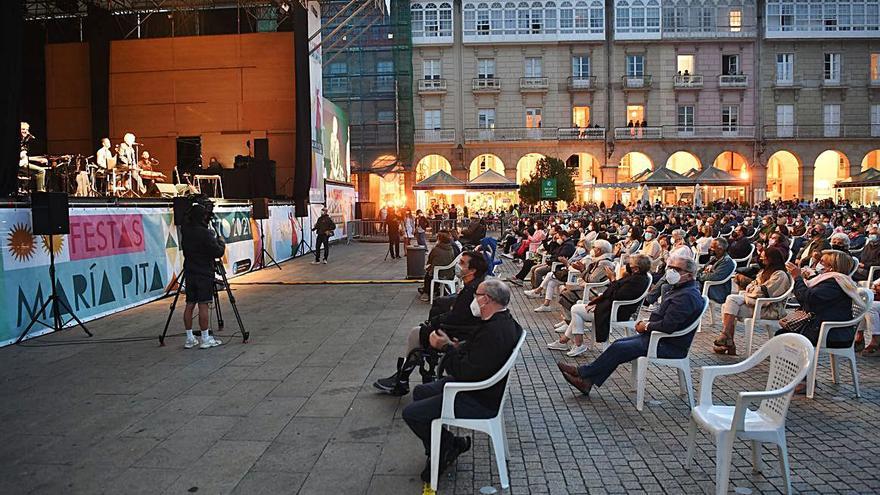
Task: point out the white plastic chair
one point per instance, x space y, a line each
639 370
628 326
706 286
756 321
588 286
872 274
791 356
573 276
848 352
494 427
744 261
450 283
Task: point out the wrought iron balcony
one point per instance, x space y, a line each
511 134
849 131
486 85
709 131
687 81
734 81
432 86
581 134
434 135
637 83
625 133
527 84
581 83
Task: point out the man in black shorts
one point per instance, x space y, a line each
201 247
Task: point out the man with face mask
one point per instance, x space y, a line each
818 243
719 267
740 246
484 353
680 308
452 313
870 255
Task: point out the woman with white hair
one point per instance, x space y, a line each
554 280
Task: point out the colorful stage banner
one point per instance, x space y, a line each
116 258
340 206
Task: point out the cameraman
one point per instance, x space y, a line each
201 247
324 227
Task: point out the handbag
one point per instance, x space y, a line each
796 321
561 274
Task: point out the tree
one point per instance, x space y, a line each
548 168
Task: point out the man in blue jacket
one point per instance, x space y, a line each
681 306
719 267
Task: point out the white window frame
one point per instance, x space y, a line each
580 66
831 67
635 65
875 120
431 68
533 67
785 120
486 118
485 68
685 119
831 120
433 119
729 118
733 61
784 68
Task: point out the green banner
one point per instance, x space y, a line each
548 188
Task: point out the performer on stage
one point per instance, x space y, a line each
128 157
106 161
146 162
27 162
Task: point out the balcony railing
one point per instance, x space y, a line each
486 84
432 86
638 133
733 81
709 131
580 133
581 83
853 131
434 135
534 83
636 82
687 81
511 134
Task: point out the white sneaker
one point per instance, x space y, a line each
190 343
316 262
507 255
532 294
560 324
543 309
557 346
210 342
324 262
577 350
561 329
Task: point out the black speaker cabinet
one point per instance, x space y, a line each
50 213
261 149
260 208
300 207
181 206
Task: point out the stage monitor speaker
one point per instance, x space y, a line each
261 149
165 190
50 213
260 208
181 206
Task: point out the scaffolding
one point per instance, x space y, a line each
368 73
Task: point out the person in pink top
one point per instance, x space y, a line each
534 241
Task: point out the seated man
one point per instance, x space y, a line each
680 308
870 255
598 311
719 267
452 313
740 245
484 353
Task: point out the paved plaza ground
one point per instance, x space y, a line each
294 410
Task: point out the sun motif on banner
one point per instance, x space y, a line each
21 242
57 244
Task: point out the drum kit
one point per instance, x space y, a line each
78 176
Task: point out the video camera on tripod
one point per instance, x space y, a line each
202 246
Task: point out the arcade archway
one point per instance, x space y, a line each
632 165
526 166
485 162
783 176
430 165
683 162
830 167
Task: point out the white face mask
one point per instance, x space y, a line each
475 308
771 242
580 251
672 276
648 236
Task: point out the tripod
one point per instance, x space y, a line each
55 301
263 252
222 284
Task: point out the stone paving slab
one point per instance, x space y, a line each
293 411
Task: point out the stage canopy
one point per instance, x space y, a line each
439 181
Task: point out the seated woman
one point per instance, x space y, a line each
772 281
629 246
703 243
530 254
551 282
592 271
441 255
829 296
598 310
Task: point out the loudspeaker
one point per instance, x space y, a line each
300 207
364 209
261 149
165 190
50 213
260 208
181 206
